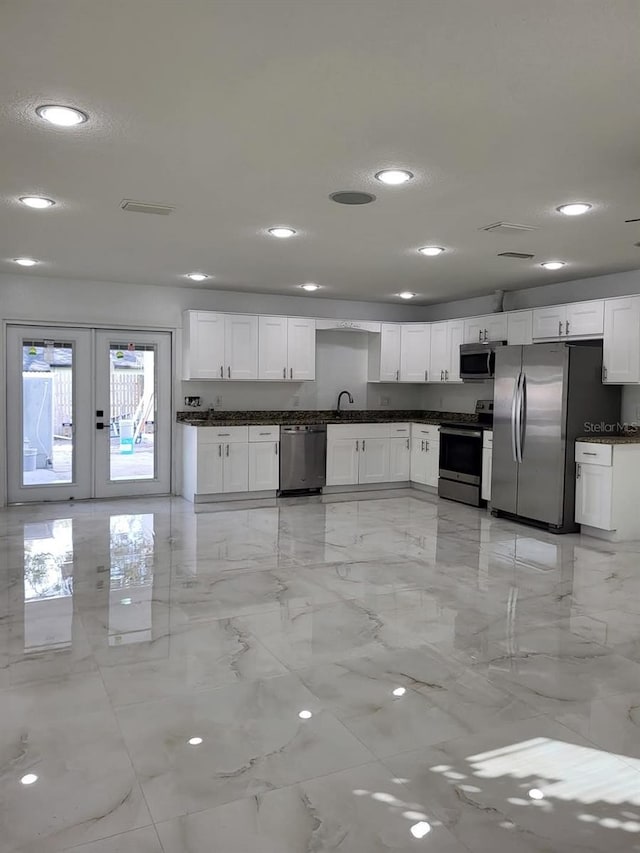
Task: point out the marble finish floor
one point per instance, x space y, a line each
364 676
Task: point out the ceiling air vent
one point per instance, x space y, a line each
507 228
523 256
146 207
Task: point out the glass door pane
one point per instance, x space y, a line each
133 414
49 436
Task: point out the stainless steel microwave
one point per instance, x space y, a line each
478 361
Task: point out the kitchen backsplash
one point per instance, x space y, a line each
455 398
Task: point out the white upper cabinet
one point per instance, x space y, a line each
491 327
301 349
439 352
621 354
576 320
273 359
415 339
455 337
549 322
389 352
203 350
241 346
519 327
287 349
585 319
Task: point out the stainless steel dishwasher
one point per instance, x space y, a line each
303 457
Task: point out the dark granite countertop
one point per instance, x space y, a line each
286 418
620 438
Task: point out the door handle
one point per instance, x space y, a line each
407 444
566 328
291 373
578 472
227 449
219 450
229 372
604 374
422 445
559 327
284 372
363 445
397 375
275 448
480 335
357 446
442 376
426 444
446 375
221 371
485 335
514 405
426 373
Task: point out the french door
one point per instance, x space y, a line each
88 413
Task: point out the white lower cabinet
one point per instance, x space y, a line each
606 489
360 454
264 466
399 460
487 453
229 460
425 454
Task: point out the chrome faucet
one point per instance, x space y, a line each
340 398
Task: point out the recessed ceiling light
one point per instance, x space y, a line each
536 794
394 177
574 209
399 691
305 715
310 287
62 116
282 232
431 251
26 262
197 276
195 741
420 829
37 201
406 294
29 779
553 265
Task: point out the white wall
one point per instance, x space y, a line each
341 363
455 398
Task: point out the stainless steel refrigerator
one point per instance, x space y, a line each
545 395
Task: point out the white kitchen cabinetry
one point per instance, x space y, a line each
359 454
519 327
606 489
487 453
415 340
621 353
576 320
399 460
491 327
425 454
446 338
229 460
287 349
384 354
220 346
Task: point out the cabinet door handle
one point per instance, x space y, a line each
224 434
422 445
426 444
229 372
442 376
559 327
578 472
363 445
219 450
446 375
588 453
407 444
426 374
227 449
284 372
566 328
397 375
480 335
485 335
221 372
604 373
275 448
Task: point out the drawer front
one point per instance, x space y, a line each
226 435
270 432
431 431
594 454
338 431
399 430
487 438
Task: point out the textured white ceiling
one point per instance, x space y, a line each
248 113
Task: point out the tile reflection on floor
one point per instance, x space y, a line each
360 676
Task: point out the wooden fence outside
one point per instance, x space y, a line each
126 393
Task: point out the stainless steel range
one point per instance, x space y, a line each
460 476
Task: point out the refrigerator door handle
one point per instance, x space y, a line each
523 415
514 408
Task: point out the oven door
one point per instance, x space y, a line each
461 454
477 363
